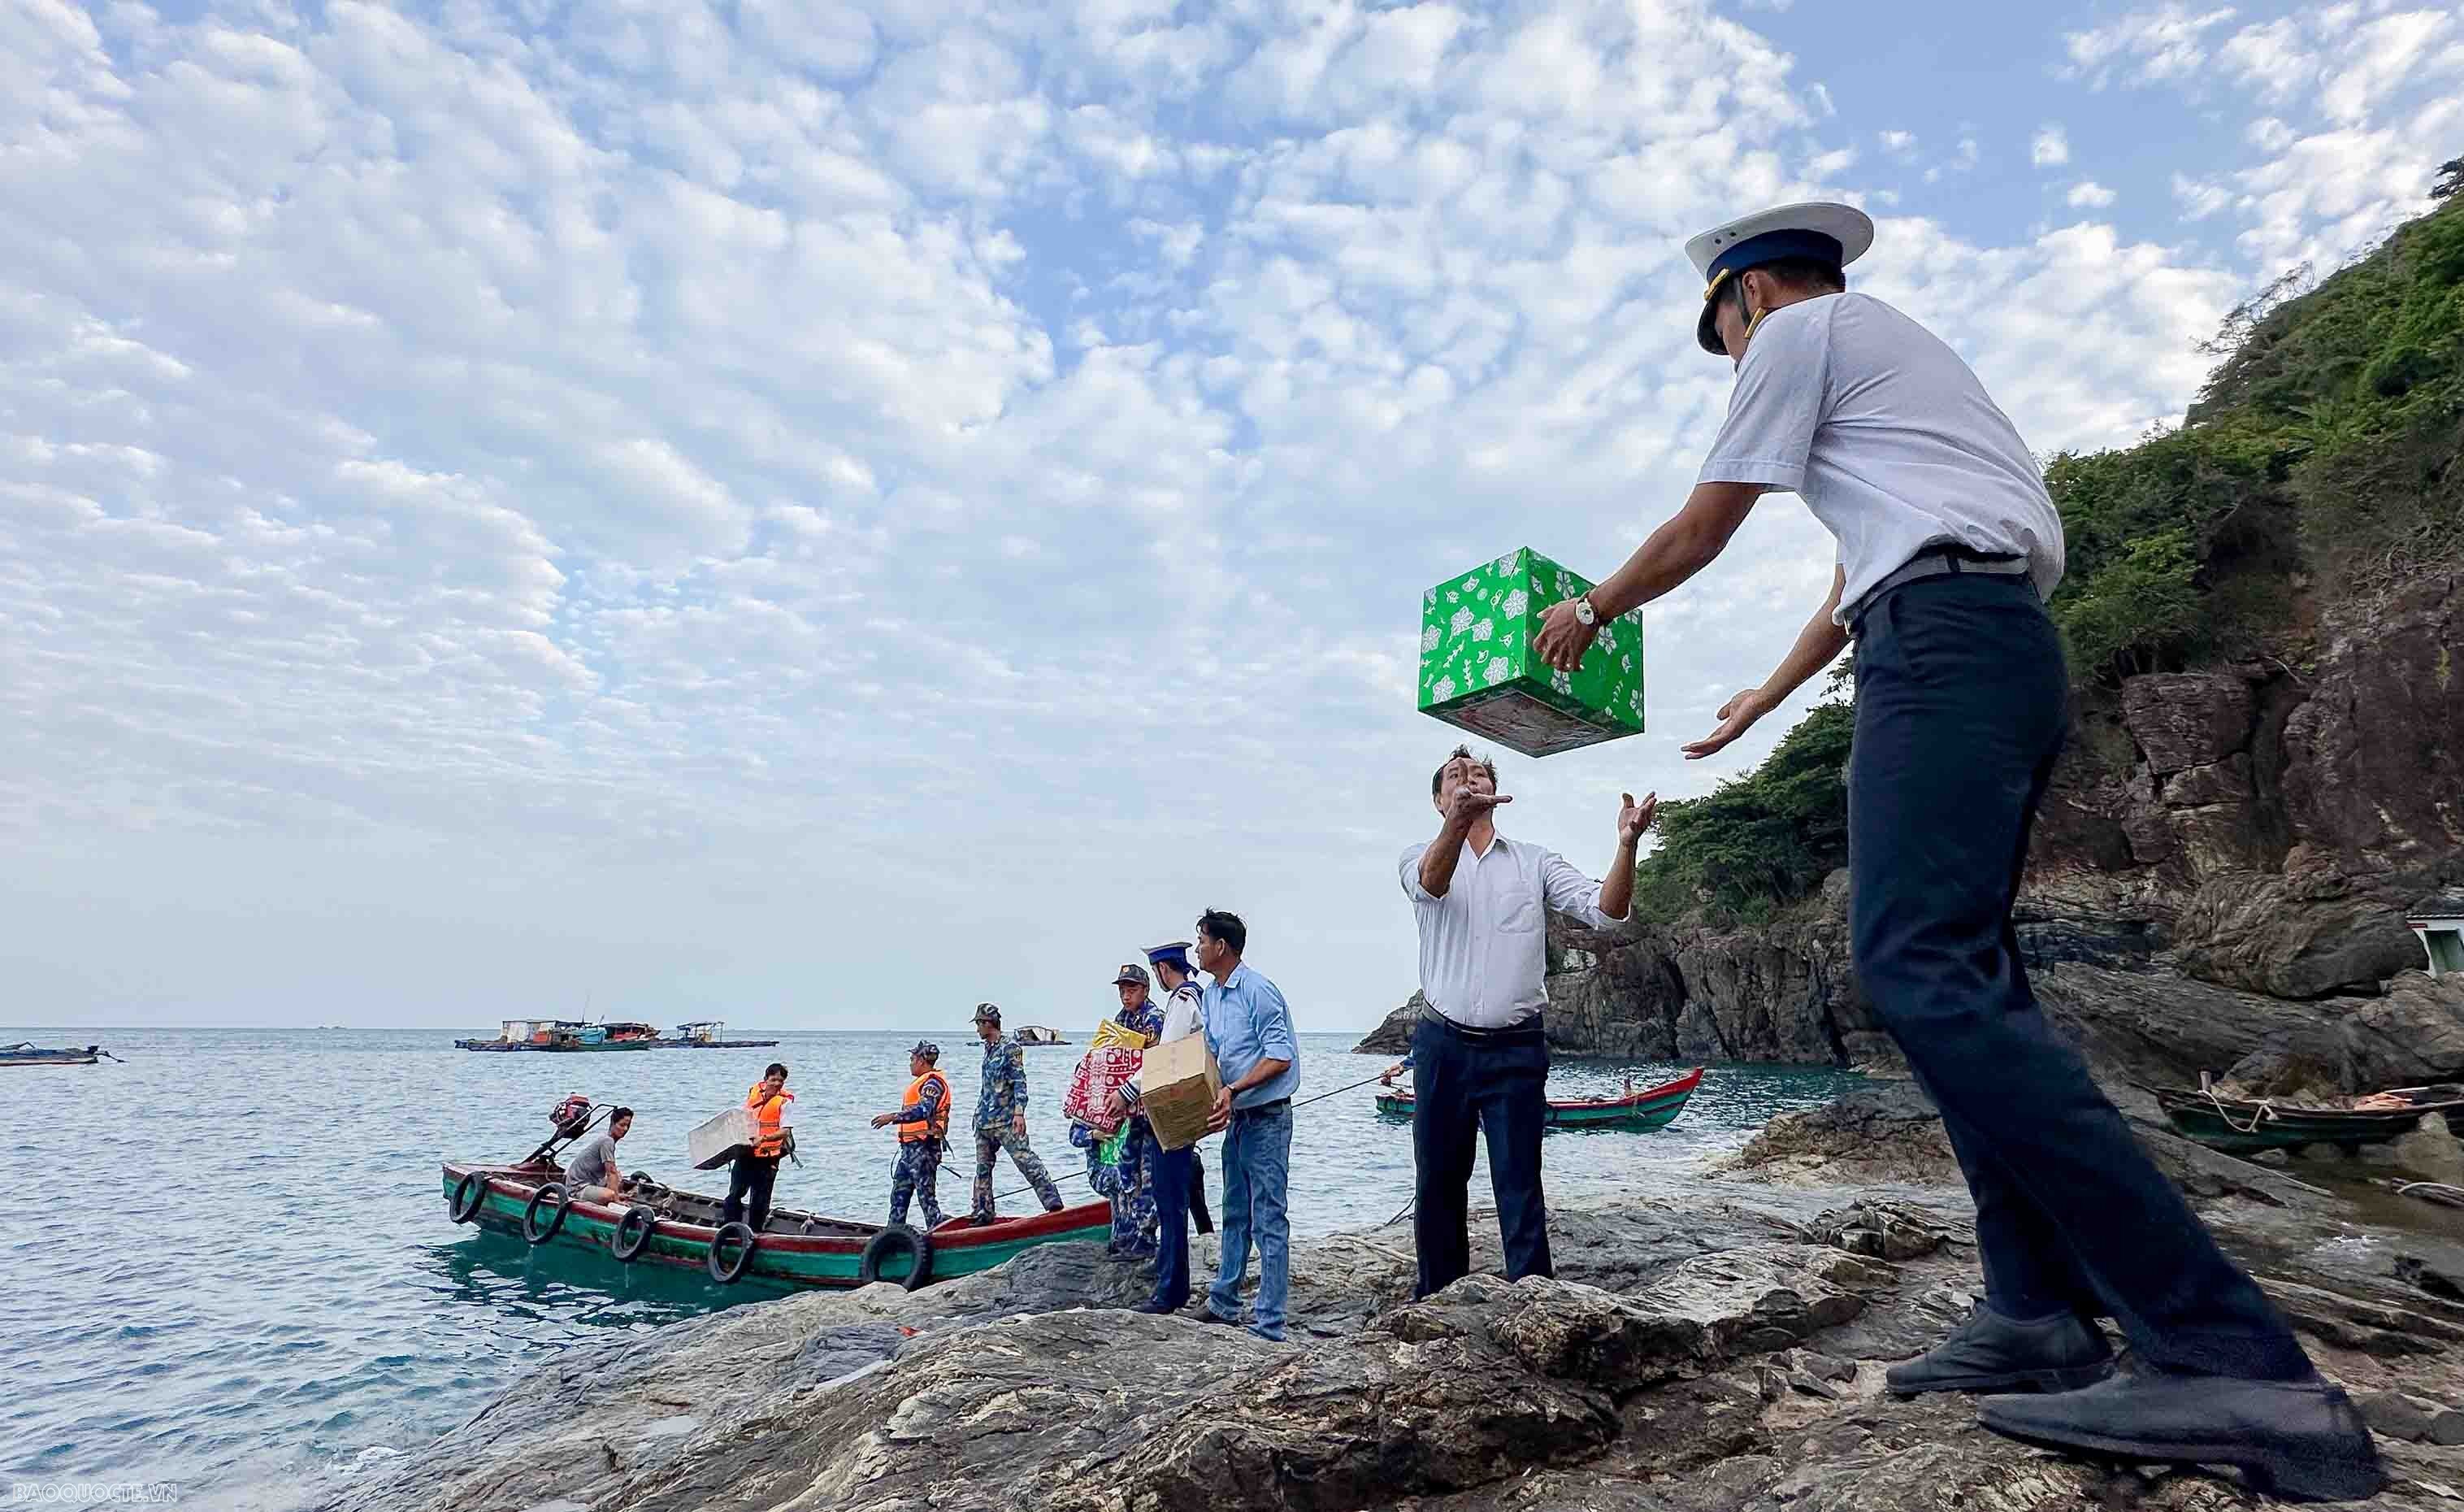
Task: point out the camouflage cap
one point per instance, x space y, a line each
1133 972
987 1013
927 1049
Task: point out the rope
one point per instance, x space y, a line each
1075 1175
2266 1107
2432 1191
1337 1092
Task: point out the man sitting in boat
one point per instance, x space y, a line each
923 1123
757 1166
592 1173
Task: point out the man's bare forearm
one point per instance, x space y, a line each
1687 543
1438 861
1817 646
1616 893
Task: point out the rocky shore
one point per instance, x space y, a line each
1726 1357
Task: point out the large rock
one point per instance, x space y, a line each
2188 719
1885 1131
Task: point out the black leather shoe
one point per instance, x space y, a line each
1154 1309
1991 1353
2302 1440
1210 1315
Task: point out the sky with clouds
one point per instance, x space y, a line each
817 515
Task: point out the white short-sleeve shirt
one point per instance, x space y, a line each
1888 437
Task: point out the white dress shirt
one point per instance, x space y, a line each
1182 1018
1484 945
1889 439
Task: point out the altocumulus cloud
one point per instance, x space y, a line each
767 507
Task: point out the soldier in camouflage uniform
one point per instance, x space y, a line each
923 1123
1000 1117
1130 1184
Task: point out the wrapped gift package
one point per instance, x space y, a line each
1478 670
1179 1084
1100 1074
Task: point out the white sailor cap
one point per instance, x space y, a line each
1823 229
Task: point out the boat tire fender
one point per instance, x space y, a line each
632 1239
532 1229
469 1195
888 1242
721 1271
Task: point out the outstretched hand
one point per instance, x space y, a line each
1468 804
1562 639
1736 717
1633 817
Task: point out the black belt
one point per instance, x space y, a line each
1529 1029
1948 559
1262 1107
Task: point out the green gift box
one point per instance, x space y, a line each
1478 670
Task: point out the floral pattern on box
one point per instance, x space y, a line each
1478 674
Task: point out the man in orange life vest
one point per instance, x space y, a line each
923 1123
756 1165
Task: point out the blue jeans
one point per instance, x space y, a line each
1257 1178
1960 693
1173 1169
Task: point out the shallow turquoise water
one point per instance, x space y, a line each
232 1268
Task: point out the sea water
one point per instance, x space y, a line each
229 1280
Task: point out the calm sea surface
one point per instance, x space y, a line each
231 1268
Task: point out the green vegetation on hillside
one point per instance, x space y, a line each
2322 448
1761 839
2322 457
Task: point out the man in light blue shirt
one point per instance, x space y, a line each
1249 1029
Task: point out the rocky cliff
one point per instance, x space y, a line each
2219 880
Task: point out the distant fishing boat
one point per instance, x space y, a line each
704 1034
1655 1109
681 1229
2241 1124
26 1052
567 1035
1038 1034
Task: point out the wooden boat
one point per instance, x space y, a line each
798 1249
2253 1123
567 1035
1653 1108
26 1052
704 1034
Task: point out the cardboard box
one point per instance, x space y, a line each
1478 673
718 1141
1179 1082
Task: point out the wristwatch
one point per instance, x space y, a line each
1584 614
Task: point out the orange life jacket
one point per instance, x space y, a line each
935 1127
767 1113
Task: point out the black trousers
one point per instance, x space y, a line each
1961 698
1463 1087
752 1175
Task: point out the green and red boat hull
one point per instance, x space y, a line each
1655 1109
827 1257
